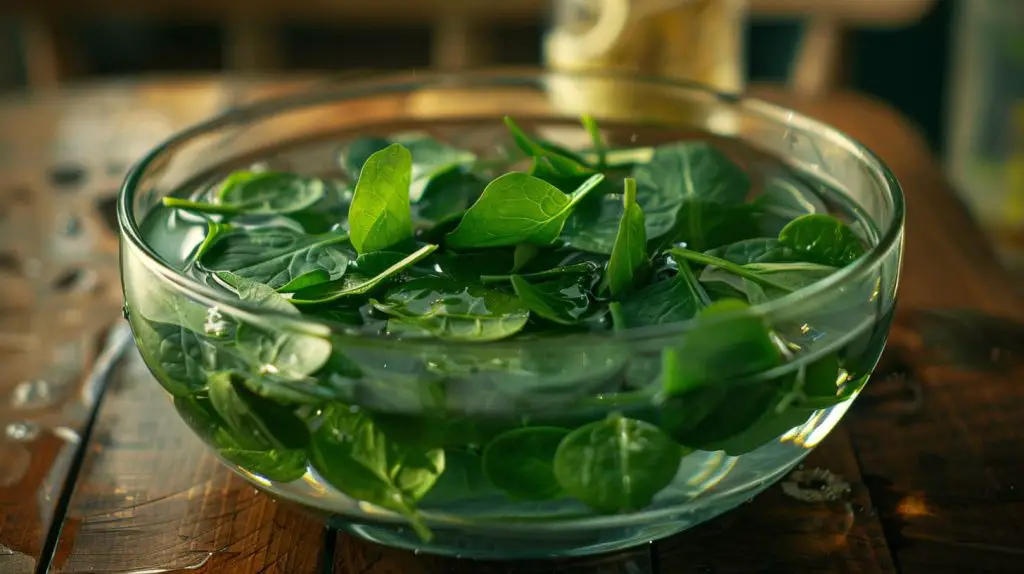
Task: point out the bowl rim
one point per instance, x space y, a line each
345 87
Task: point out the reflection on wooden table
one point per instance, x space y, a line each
929 451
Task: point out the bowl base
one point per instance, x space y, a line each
487 544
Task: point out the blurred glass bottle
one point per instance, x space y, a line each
697 40
986 144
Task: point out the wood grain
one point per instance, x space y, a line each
152 497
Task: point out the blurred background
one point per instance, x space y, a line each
954 68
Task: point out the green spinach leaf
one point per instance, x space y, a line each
281 258
728 342
784 278
548 158
671 300
352 454
565 300
782 201
681 189
629 262
255 423
517 208
276 465
822 239
600 150
257 193
616 465
431 159
379 217
757 250
453 310
178 357
521 462
358 284
360 150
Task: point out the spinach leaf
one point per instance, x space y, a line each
276 465
431 159
616 465
379 217
447 197
783 201
178 357
520 462
360 150
291 391
740 270
463 479
354 284
517 208
564 300
594 132
728 342
670 300
352 454
757 250
214 231
784 278
683 187
522 255
257 193
706 417
548 158
629 261
453 310
580 268
594 224
284 350
281 258
255 423
822 239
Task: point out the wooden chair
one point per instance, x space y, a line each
459 26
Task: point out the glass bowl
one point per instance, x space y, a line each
391 436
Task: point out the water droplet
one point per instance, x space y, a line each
22 431
215 325
125 311
32 394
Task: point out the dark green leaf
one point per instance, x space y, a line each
682 186
757 250
352 454
784 278
379 217
359 151
288 351
517 208
214 231
594 224
257 193
454 310
617 465
254 422
580 268
728 342
463 479
670 300
431 159
279 257
179 358
629 262
782 201
521 462
275 465
822 239
594 132
564 300
553 159
523 254
447 197
356 283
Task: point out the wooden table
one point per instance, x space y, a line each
97 474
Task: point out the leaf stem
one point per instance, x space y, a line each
729 266
200 206
691 281
618 317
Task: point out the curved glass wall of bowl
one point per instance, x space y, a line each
389 434
62 160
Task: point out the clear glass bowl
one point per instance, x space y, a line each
437 405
